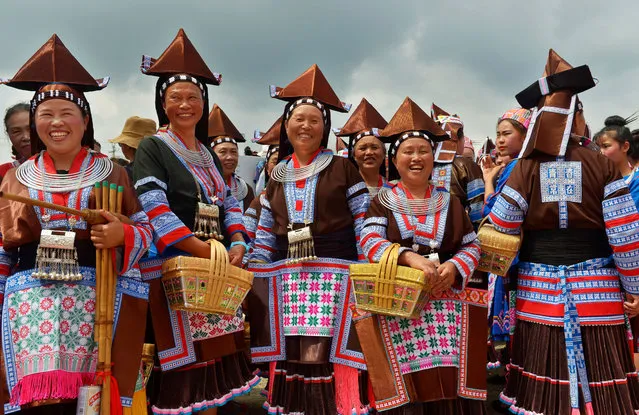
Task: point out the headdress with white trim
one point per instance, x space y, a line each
53 64
181 62
221 129
558 113
310 88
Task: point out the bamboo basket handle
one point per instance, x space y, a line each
385 279
483 222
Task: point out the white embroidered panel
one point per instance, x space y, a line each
560 181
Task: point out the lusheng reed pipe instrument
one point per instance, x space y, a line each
108 197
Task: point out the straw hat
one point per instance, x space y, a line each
134 130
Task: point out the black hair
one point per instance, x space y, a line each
616 127
12 110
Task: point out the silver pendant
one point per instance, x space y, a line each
415 247
433 244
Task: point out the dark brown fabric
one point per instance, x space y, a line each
199 383
465 171
53 63
206 350
457 226
297 393
248 199
19 224
457 406
308 350
541 351
257 313
410 117
597 171
181 57
128 343
365 117
331 206
311 84
220 125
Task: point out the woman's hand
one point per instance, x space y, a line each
416 261
631 305
447 272
236 254
490 170
109 235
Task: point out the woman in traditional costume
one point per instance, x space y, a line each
16 124
48 258
511 133
224 138
570 351
433 363
458 174
307 237
364 146
252 214
202 356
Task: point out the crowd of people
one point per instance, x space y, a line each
407 193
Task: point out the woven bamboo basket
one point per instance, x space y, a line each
210 286
388 289
498 250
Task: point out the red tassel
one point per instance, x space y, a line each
116 403
346 389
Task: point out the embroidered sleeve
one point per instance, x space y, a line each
622 227
373 240
264 244
466 260
137 240
150 185
233 221
511 205
358 200
250 222
475 191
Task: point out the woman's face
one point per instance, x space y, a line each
613 149
369 153
509 139
184 106
305 129
60 125
229 157
414 161
19 133
271 163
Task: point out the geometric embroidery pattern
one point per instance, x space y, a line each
310 302
206 325
430 340
560 181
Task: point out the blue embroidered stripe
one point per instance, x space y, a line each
468 238
514 195
475 188
355 188
614 187
150 179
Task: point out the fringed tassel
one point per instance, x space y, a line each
56 384
271 379
347 389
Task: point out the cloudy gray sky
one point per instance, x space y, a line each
469 57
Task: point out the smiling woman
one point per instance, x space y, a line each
443 371
45 366
306 238
178 179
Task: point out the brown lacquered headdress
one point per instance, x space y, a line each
558 112
181 62
408 119
221 129
271 136
53 64
310 88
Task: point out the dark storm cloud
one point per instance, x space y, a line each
469 57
